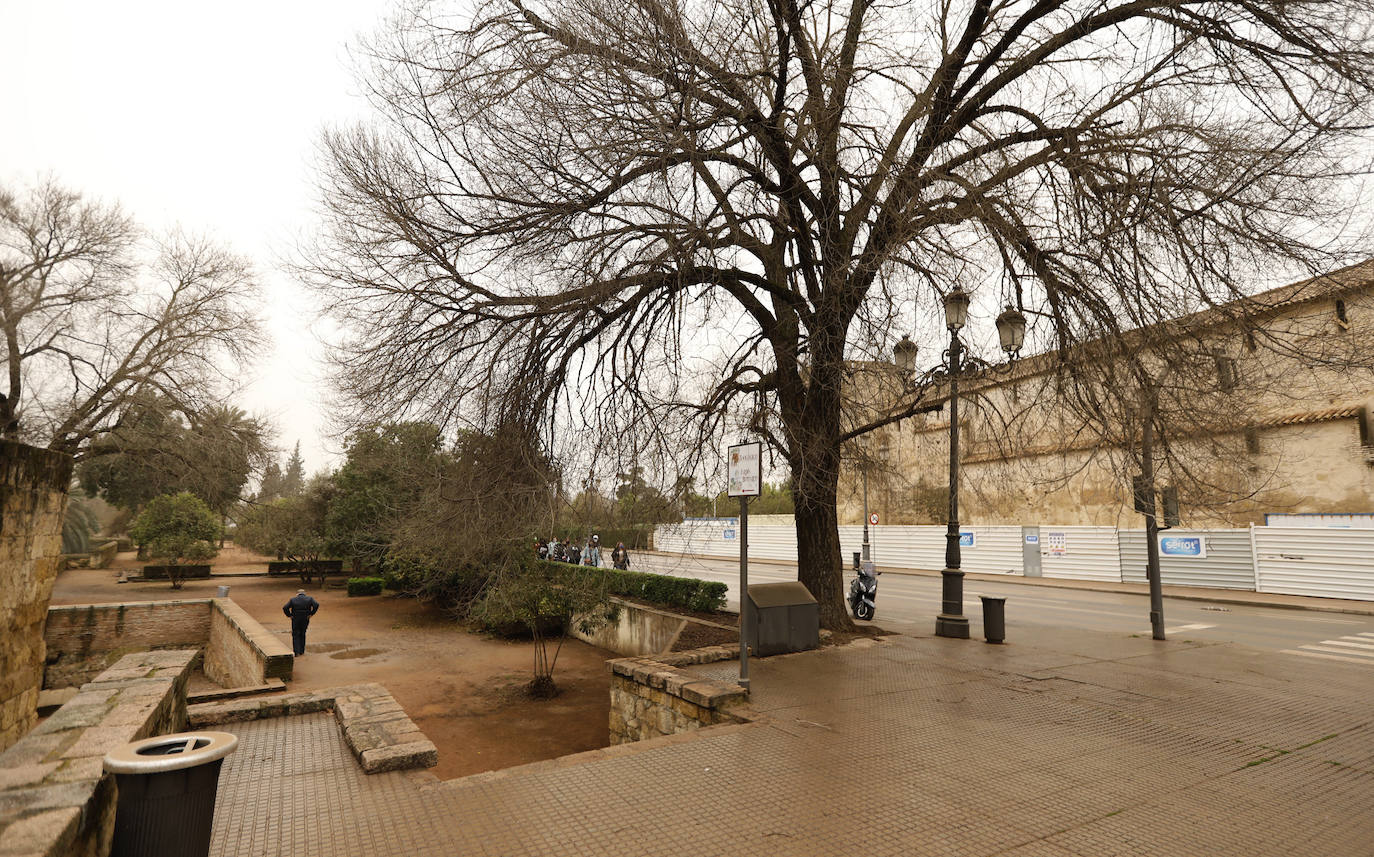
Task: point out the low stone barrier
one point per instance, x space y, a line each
240 652
82 640
651 698
638 630
374 725
55 798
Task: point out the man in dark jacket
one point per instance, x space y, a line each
300 609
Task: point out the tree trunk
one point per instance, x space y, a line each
819 565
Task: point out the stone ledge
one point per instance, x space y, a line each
374 725
271 686
55 798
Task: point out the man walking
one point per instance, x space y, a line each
300 609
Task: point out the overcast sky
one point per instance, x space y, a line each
198 114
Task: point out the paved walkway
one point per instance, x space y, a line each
1071 744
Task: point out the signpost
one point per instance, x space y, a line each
744 468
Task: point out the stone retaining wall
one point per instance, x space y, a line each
55 798
33 500
374 725
650 698
638 630
241 652
84 639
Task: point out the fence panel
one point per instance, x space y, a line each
1080 553
1327 563
1228 563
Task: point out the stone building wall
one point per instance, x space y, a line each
33 501
1291 432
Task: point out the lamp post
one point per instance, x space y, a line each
1011 333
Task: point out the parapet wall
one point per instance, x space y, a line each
650 698
55 798
240 651
33 501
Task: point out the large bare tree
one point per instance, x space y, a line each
95 318
701 210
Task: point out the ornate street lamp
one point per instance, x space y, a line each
1011 330
904 355
951 622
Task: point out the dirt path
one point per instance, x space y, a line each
460 688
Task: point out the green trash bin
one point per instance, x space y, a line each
167 791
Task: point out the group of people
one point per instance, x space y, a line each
588 554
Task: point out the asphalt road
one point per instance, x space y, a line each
910 603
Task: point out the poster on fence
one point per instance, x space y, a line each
1056 544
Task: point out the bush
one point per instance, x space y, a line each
364 586
684 592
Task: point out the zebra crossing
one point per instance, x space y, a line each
1353 648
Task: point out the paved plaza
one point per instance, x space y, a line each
1068 744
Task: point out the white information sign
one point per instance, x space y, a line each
745 465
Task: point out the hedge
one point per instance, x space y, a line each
685 592
364 586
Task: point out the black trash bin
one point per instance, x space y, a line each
994 618
167 793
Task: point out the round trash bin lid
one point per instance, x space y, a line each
170 752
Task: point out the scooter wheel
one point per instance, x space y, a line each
863 611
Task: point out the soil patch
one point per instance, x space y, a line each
464 690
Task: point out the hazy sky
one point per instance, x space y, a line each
194 113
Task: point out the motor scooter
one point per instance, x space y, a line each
863 590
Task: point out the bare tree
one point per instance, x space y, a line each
700 211
94 319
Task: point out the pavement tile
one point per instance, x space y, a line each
1075 745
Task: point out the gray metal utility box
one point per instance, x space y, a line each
781 618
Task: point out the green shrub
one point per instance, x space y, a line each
364 586
666 590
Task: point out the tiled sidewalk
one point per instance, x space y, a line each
1078 744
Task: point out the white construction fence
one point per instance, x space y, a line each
1328 562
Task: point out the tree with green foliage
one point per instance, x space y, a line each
158 451
380 481
293 478
547 599
79 526
269 487
177 528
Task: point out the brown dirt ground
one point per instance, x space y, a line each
462 689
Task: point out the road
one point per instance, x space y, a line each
909 603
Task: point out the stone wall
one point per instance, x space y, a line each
638 630
55 798
240 652
82 640
650 699
33 500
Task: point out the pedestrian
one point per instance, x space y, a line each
559 553
620 558
574 554
594 551
300 609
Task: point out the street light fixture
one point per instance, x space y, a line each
1011 332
